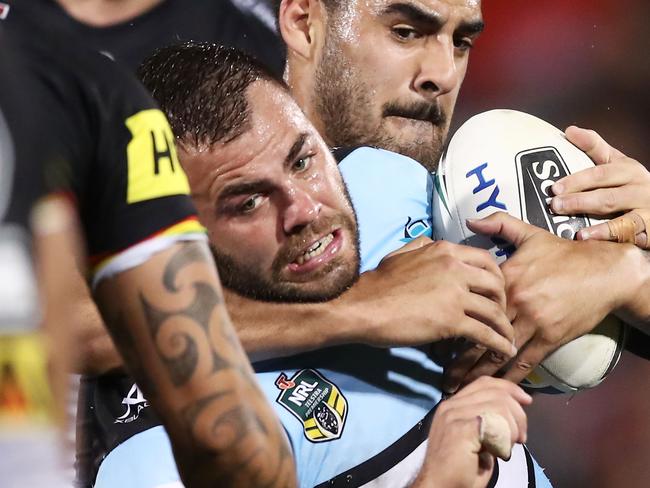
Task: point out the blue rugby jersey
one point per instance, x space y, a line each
354 415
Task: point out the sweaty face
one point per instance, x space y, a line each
278 216
390 71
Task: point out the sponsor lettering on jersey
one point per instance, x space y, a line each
154 170
537 171
135 402
316 402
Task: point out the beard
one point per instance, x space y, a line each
343 102
331 280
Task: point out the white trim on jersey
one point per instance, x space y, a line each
404 472
140 253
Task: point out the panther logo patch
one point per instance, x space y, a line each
316 402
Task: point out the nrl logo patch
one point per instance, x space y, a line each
316 402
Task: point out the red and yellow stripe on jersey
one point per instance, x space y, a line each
188 229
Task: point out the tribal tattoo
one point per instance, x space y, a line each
223 430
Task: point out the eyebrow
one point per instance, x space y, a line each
296 148
244 188
257 186
432 18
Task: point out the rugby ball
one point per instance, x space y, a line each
504 160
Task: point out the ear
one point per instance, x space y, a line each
302 25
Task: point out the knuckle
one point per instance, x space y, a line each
442 411
450 263
551 334
609 201
518 297
444 247
496 358
485 382
524 366
485 255
638 166
599 173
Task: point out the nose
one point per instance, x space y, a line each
302 209
438 72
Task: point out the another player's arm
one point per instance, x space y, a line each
168 319
56 249
439 290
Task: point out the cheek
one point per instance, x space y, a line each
246 242
331 190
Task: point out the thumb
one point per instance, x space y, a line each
505 226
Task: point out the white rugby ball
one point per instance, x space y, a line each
504 160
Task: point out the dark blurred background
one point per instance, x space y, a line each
586 63
569 62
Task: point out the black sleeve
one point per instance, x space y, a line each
103 140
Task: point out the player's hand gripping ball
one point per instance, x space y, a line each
504 160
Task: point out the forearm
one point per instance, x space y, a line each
173 331
271 330
266 330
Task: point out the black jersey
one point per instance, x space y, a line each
169 22
20 186
100 138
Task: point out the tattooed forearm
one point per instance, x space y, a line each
185 256
178 348
177 339
126 343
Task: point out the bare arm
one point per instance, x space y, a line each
433 290
168 319
56 248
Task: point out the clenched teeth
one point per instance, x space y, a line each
316 249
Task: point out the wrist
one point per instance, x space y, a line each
363 314
634 305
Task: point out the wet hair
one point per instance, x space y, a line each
201 87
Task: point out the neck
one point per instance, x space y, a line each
103 13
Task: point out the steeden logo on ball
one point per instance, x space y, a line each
537 171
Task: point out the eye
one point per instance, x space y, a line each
250 204
405 33
302 164
463 43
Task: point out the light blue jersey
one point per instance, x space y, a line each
354 415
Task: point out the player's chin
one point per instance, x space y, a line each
410 130
426 153
327 283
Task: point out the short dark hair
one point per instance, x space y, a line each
201 87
